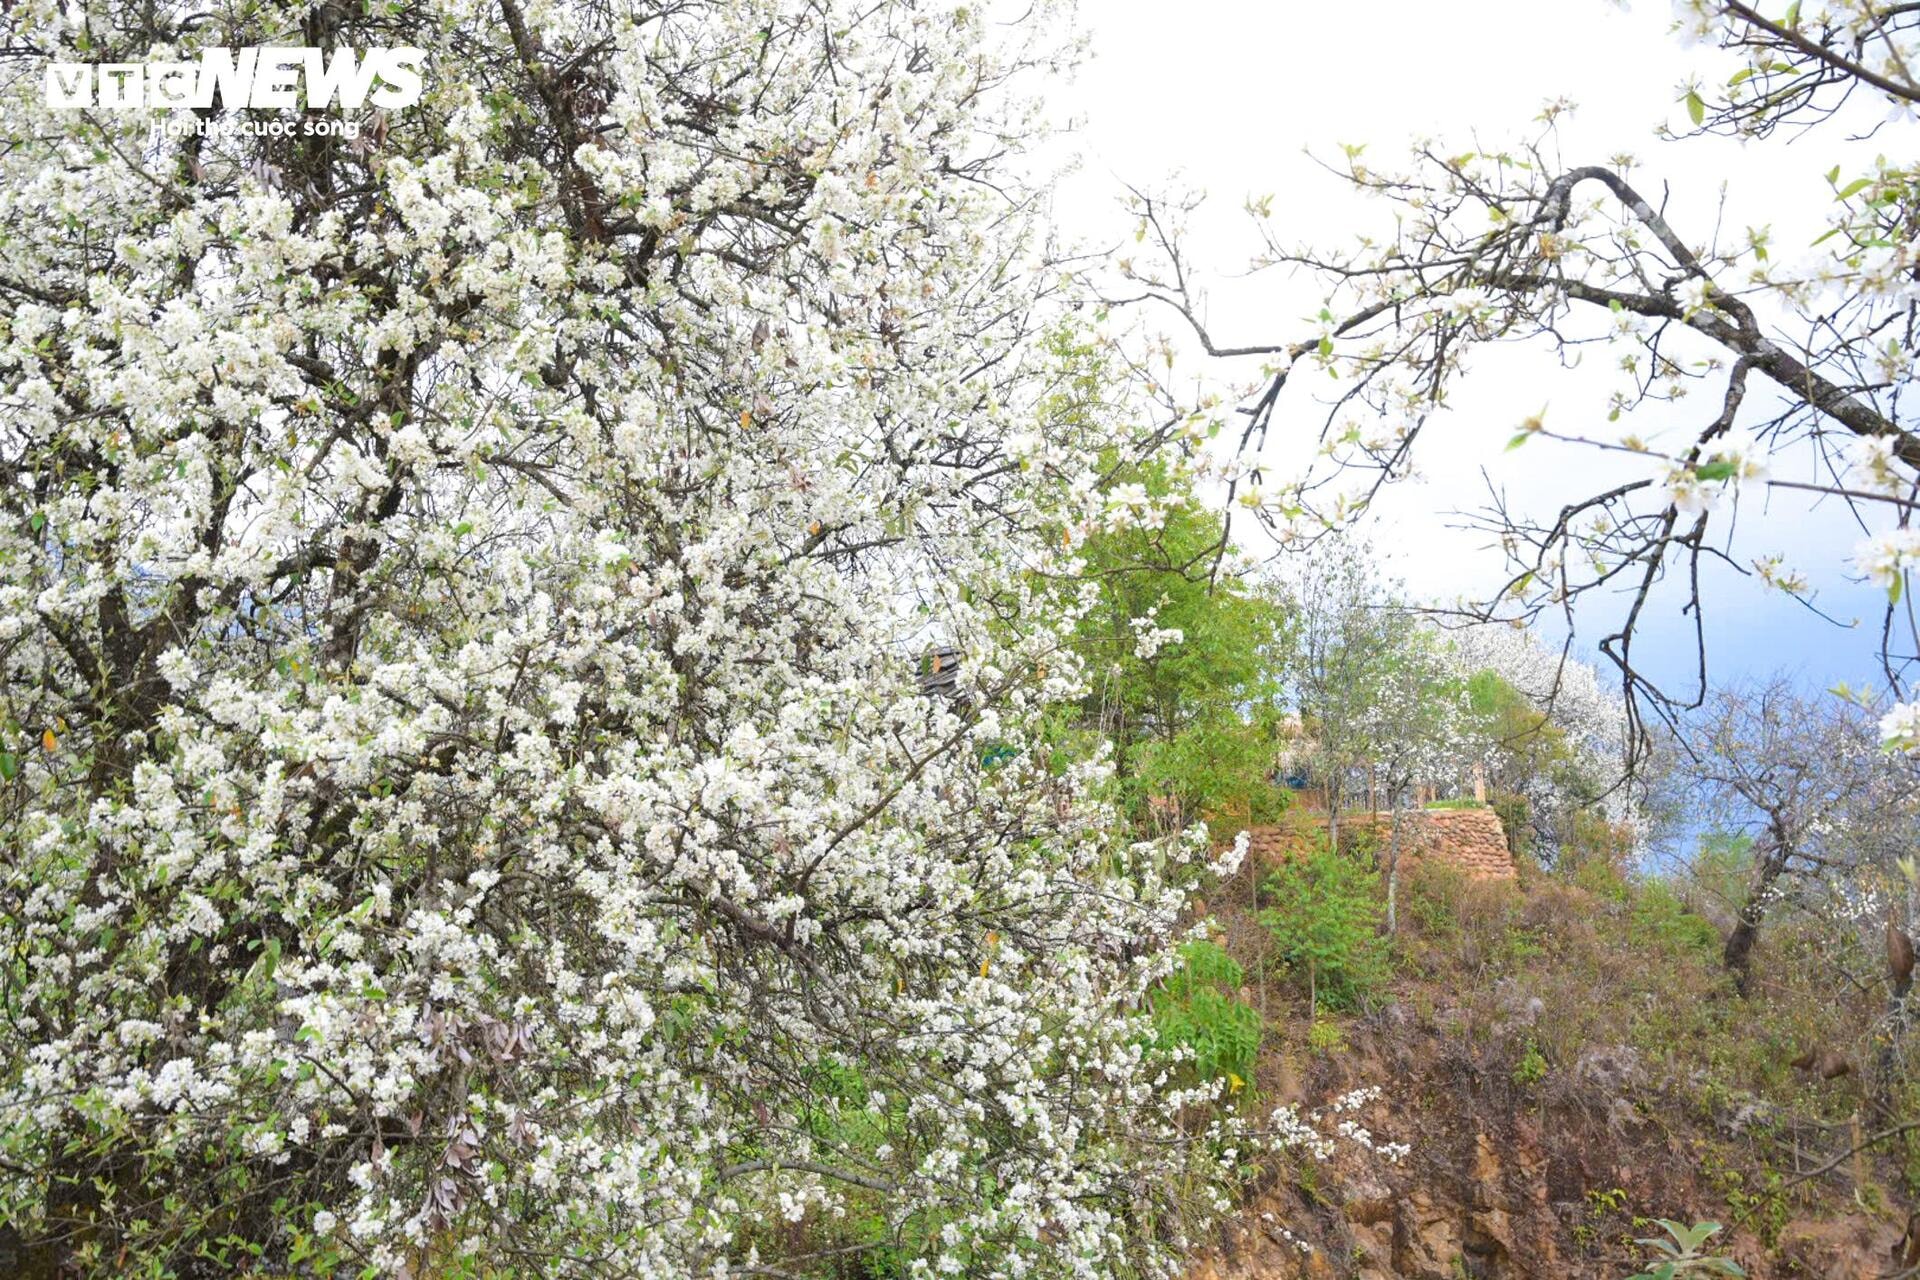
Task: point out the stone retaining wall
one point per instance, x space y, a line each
1474 840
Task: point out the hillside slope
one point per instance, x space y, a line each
1567 1065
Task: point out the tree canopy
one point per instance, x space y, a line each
467 796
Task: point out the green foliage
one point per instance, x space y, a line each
1723 866
1680 1253
1603 880
1529 743
1589 837
1191 721
1195 720
1197 1007
1324 914
1326 1037
1532 1067
1434 889
1516 815
1757 1197
1602 1202
1534 756
1379 696
1659 919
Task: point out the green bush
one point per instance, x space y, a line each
1532 1067
1197 1008
1516 816
1325 1037
1602 879
1660 919
1324 914
1433 893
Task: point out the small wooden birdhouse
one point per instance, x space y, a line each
939 672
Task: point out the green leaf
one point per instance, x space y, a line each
1854 188
9 766
1517 441
1696 107
1715 470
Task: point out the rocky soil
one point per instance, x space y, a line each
1508 1181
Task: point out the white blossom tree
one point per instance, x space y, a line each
1563 749
1381 697
1802 356
1828 813
465 793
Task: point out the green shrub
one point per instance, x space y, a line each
1602 879
1683 1253
1661 920
1516 815
1324 914
1196 1008
1325 1037
1532 1067
1432 902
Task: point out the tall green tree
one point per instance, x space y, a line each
1184 664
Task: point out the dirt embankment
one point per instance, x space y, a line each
1569 1062
1515 1181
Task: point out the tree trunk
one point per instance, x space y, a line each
1738 953
1900 968
1333 814
1393 877
1737 956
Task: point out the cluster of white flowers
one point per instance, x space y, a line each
1307 1133
463 755
1887 558
1130 505
1695 20
1900 727
1149 638
1875 466
1730 462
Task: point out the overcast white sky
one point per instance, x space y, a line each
1226 97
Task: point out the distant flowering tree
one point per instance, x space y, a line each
467 802
1381 699
1418 730
1804 356
1552 737
1827 813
